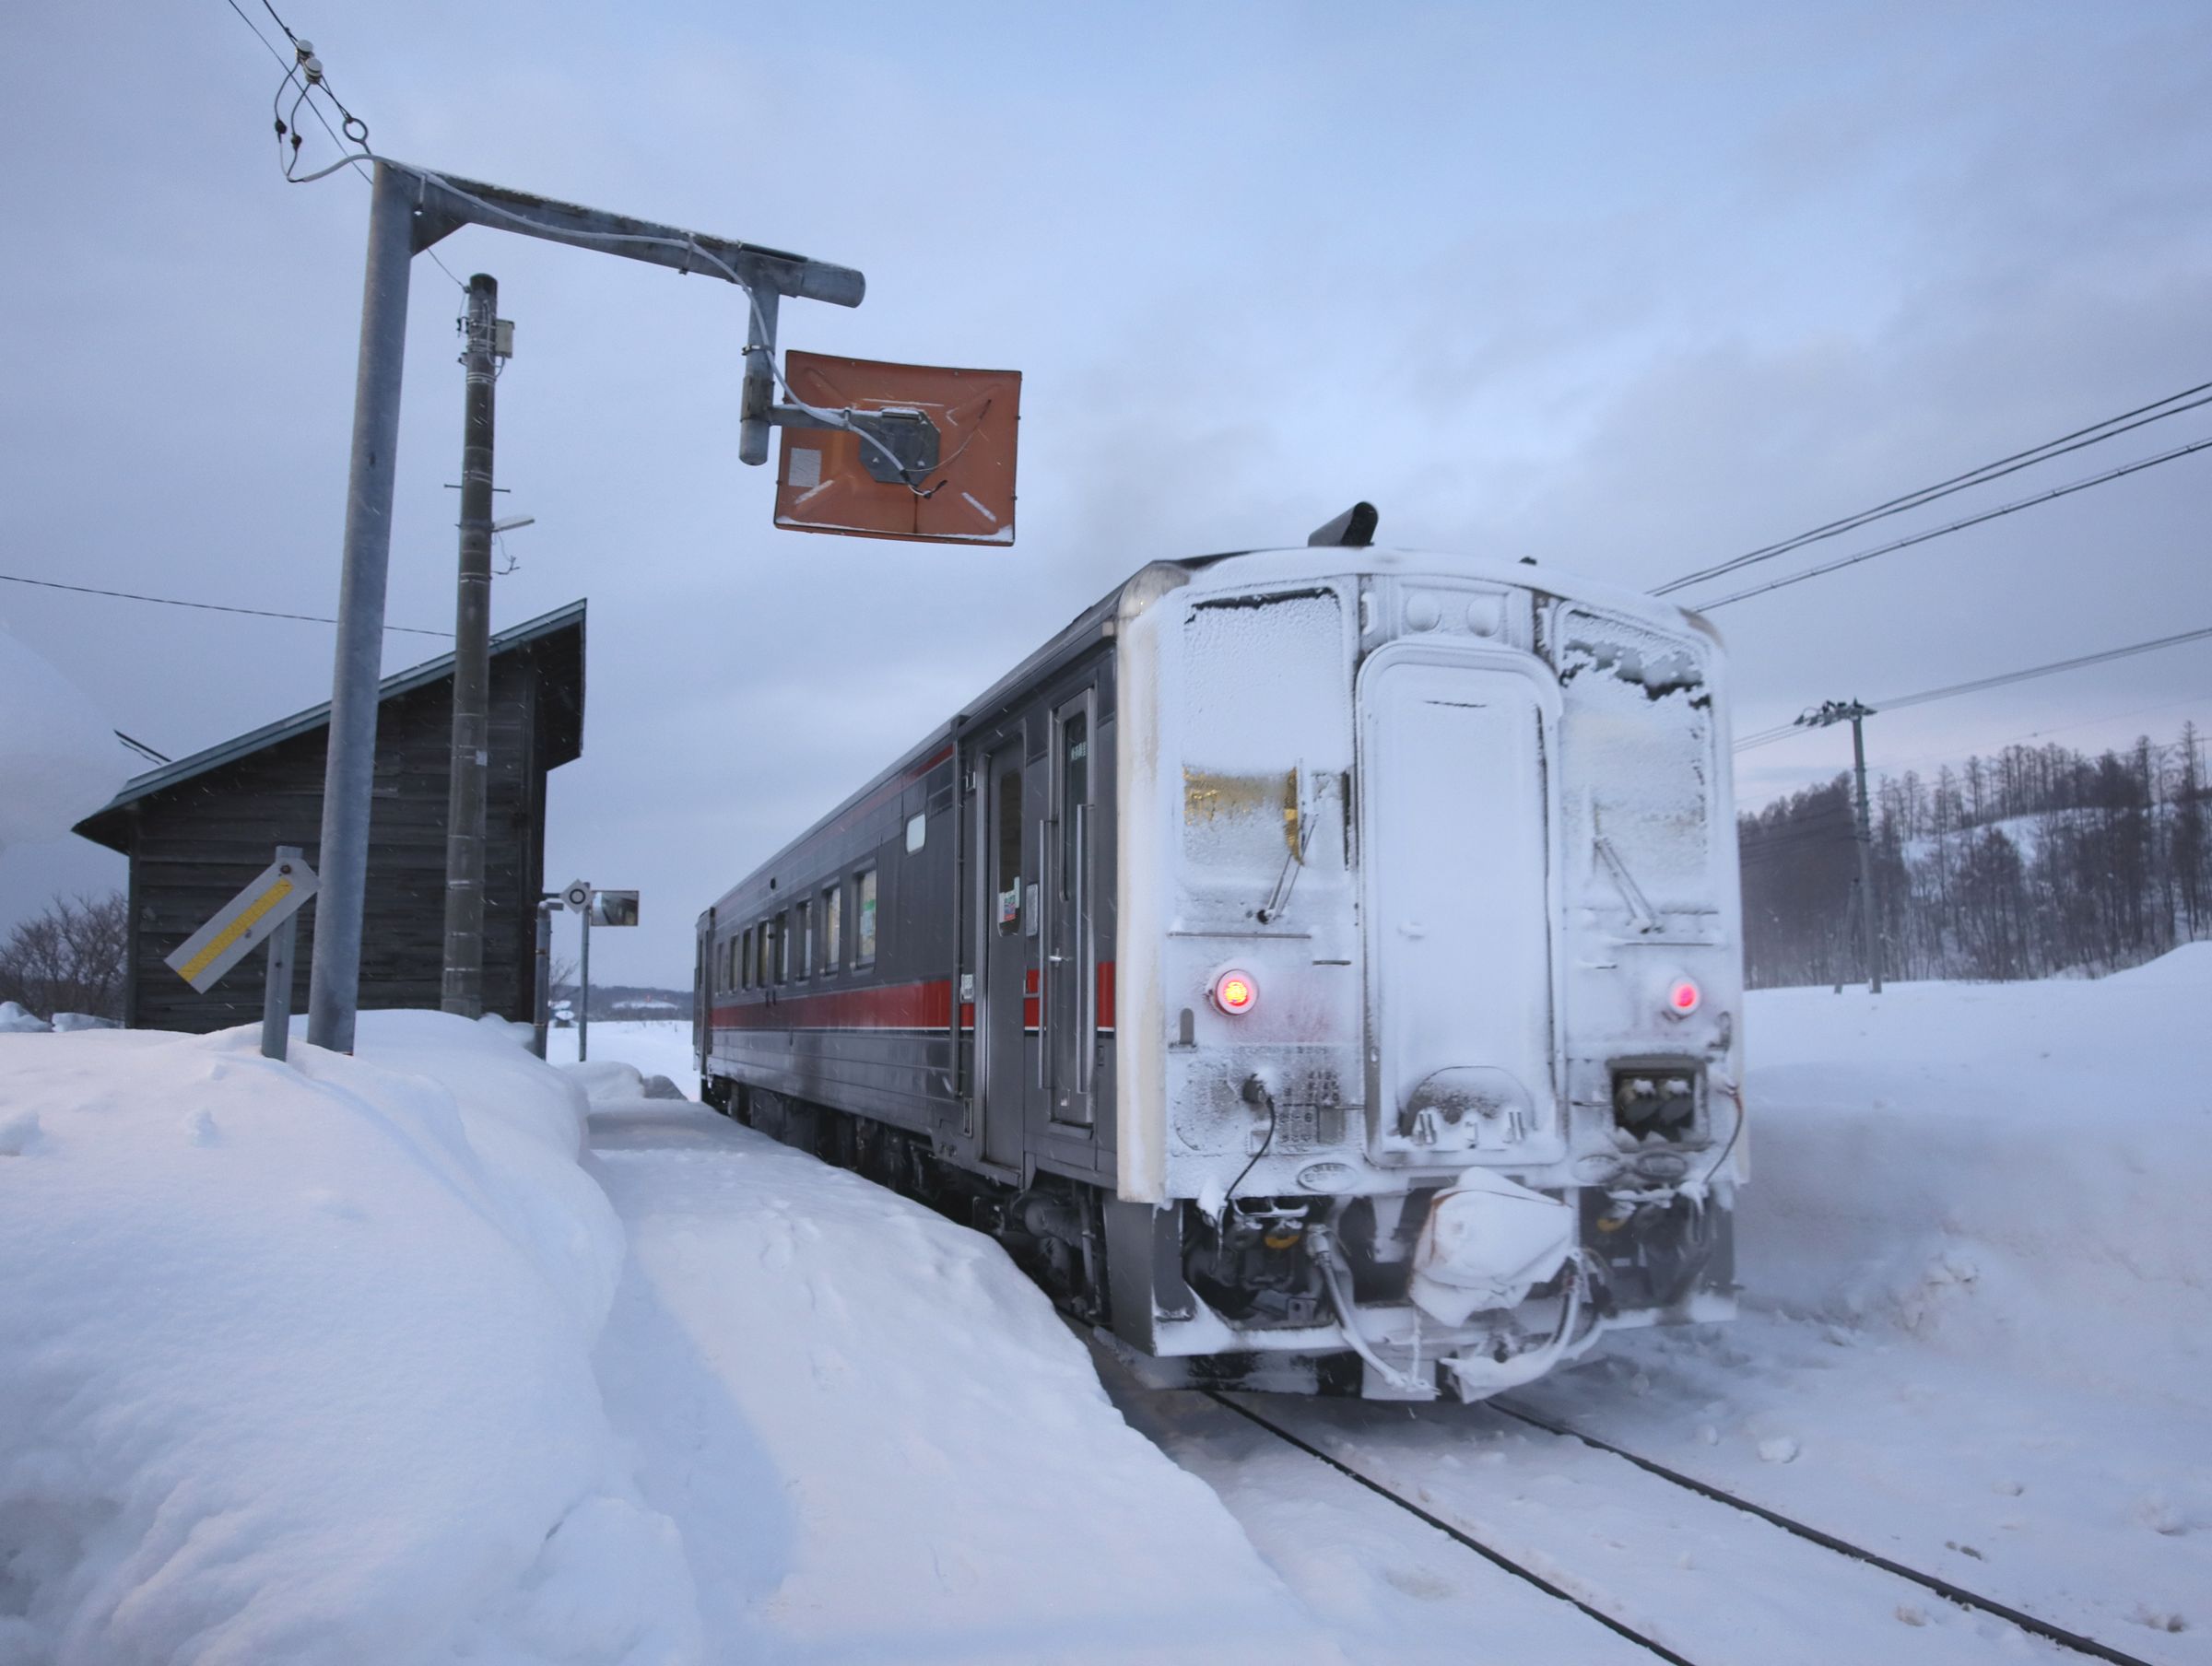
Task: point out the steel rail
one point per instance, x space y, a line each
1942 1588
1456 1535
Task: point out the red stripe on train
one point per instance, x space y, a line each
924 1006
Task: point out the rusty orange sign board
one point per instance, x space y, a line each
823 482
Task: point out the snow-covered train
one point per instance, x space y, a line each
1320 967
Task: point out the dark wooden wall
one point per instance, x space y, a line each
196 844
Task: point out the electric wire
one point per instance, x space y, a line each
259 613
1766 737
1230 1197
2064 443
2037 735
1992 514
2053 669
290 70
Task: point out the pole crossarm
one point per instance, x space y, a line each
1833 711
444 204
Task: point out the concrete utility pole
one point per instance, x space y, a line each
1856 713
349 768
462 989
410 209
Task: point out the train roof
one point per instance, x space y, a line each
1126 600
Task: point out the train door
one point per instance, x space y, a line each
1009 970
704 983
1070 972
1456 845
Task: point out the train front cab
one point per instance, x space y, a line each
1428 975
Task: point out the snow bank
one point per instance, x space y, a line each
58 756
2015 1173
880 1441
295 1359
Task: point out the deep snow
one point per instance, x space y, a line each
349 1359
295 1358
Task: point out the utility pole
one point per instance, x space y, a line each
1856 713
349 765
463 989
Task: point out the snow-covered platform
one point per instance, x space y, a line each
878 1439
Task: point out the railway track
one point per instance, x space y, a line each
1618 1616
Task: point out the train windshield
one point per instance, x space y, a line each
1637 739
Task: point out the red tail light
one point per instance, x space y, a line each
1234 993
1683 997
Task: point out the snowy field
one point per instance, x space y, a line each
656 1049
439 1354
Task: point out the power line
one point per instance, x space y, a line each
2037 735
2037 671
1937 532
1767 736
259 613
289 69
2050 448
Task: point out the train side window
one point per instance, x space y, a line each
863 918
1075 789
1009 862
802 930
832 948
744 959
917 832
778 935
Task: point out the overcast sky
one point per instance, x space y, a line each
1627 289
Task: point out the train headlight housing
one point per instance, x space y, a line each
1235 994
1683 997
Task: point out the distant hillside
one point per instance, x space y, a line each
2036 863
625 1000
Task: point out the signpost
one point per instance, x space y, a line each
607 908
266 912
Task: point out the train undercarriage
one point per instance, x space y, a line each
1327 1288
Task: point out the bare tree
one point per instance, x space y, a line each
2040 861
69 958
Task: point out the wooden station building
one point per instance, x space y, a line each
197 829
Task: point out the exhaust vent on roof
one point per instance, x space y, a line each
1355 528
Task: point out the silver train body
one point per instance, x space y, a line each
1321 967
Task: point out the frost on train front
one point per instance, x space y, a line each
1450 973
